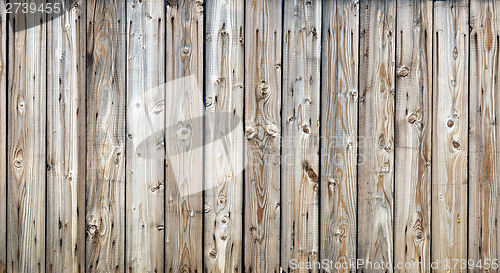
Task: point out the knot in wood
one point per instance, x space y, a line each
184 132
212 253
250 133
224 220
272 130
403 71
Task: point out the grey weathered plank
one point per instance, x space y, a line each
450 122
105 182
3 137
484 107
339 130
376 131
184 164
26 140
300 120
224 79
263 46
413 134
145 171
66 129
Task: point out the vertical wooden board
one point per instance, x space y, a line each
413 134
66 47
450 122
145 171
27 140
105 183
376 132
484 106
184 171
339 130
263 36
300 120
3 138
224 79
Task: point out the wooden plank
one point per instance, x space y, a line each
484 107
105 187
66 129
339 130
3 137
376 132
224 79
300 120
263 36
450 122
184 171
145 171
27 140
413 135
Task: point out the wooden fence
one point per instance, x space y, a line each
369 128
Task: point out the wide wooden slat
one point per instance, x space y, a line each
263 44
3 137
413 135
339 130
300 120
105 182
184 164
66 129
224 79
145 171
484 106
450 122
376 132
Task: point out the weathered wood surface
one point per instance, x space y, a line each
450 130
105 181
3 138
224 80
339 130
27 143
66 129
263 47
484 107
376 131
413 134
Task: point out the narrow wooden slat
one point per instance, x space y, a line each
184 165
376 132
105 183
339 130
3 138
224 79
263 36
66 129
27 140
484 107
413 135
450 122
145 171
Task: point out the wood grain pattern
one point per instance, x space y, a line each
376 132
339 130
450 122
3 138
413 135
66 129
184 170
224 79
105 187
484 107
300 143
263 36
27 139
145 172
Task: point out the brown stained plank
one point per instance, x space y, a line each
27 140
105 185
339 130
184 164
66 129
300 150
413 138
484 107
145 171
450 122
224 79
263 36
4 25
376 132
